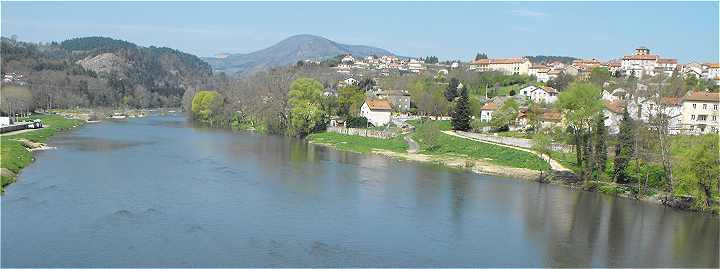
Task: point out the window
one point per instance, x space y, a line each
702 117
692 117
694 106
715 107
714 118
704 106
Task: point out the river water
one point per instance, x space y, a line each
157 192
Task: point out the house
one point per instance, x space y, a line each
540 72
645 109
547 95
486 111
376 111
643 63
550 119
509 66
713 72
348 82
527 90
348 59
613 113
699 112
400 100
571 70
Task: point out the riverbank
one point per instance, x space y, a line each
490 159
478 157
16 152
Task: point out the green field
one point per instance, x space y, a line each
359 143
15 157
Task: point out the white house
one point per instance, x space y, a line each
508 66
700 112
376 111
348 59
642 63
527 90
613 113
545 94
486 111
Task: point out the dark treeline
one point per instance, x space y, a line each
96 72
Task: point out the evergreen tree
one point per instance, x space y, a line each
624 149
452 89
461 115
600 145
588 166
480 56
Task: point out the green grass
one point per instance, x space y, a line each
14 156
454 146
359 143
443 125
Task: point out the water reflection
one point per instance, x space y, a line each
155 192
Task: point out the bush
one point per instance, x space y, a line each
357 122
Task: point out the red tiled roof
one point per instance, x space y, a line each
489 106
549 89
667 61
671 101
379 104
702 96
616 106
714 65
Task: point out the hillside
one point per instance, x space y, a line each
101 71
288 51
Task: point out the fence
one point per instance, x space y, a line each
362 132
517 142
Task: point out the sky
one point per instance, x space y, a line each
687 31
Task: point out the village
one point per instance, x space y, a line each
691 113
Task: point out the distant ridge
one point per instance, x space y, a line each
288 51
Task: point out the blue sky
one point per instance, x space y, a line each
687 31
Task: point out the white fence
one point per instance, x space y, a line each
362 132
517 142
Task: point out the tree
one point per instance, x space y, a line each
561 82
350 99
624 149
428 135
599 75
452 89
699 166
600 134
305 98
580 104
366 84
541 144
505 115
207 107
480 56
461 115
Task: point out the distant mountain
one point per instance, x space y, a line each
288 51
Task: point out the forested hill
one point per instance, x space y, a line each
101 71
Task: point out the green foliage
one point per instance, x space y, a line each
561 82
207 107
350 100
452 89
624 149
358 143
461 115
357 122
599 141
505 115
696 168
306 113
599 75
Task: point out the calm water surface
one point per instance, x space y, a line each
155 192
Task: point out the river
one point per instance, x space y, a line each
155 192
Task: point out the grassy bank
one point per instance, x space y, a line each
14 156
358 143
455 146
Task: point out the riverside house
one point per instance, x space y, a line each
700 112
376 111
